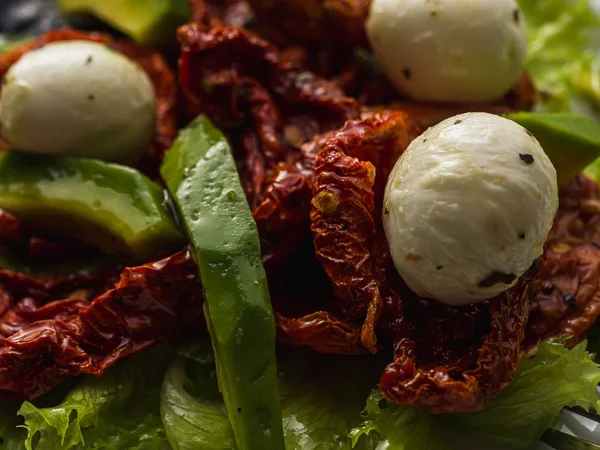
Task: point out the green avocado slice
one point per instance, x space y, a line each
151 22
571 141
111 207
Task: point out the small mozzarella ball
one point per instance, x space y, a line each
449 50
468 207
78 98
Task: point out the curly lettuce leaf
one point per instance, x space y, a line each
320 401
191 405
562 56
517 417
118 411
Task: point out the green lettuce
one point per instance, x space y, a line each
321 396
517 417
562 55
118 411
11 437
8 42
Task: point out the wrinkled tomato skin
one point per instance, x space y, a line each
269 110
568 302
42 344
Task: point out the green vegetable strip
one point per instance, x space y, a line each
201 175
111 207
571 141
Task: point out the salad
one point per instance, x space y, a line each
300 224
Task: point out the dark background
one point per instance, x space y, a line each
26 17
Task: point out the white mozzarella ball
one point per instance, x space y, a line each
78 98
468 207
449 50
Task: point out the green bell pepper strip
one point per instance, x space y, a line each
202 177
111 207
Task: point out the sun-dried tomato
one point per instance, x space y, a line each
446 359
15 240
568 302
269 110
42 344
316 21
453 359
343 218
47 287
10 229
152 62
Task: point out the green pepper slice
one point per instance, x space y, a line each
111 207
202 177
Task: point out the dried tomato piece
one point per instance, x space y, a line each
14 239
265 107
45 288
152 62
10 229
453 359
282 217
343 219
321 331
42 345
520 98
269 110
340 21
568 303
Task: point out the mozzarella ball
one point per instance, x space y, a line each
78 98
449 50
468 207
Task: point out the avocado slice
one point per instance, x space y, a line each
150 22
111 207
571 141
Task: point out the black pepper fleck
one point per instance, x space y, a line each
568 298
91 97
516 16
548 288
382 404
457 122
496 278
433 13
89 60
406 73
526 158
239 410
521 236
439 267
